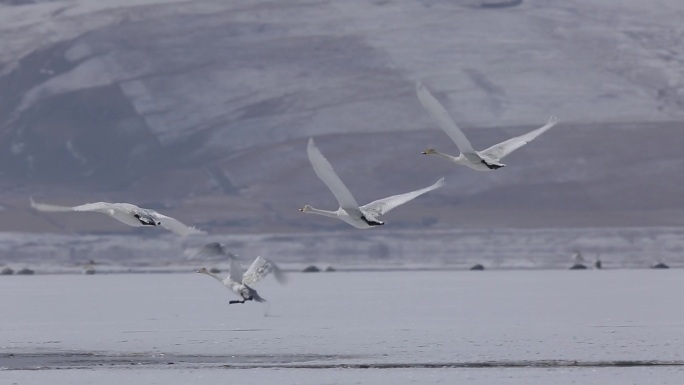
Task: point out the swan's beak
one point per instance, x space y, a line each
424 152
302 210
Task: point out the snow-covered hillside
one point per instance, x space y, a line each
203 108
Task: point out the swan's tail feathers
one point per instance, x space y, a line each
49 208
254 295
194 230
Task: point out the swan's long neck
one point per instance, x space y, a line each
216 277
325 213
457 159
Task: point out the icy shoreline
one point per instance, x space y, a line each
398 249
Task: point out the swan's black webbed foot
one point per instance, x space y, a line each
146 221
236 301
491 166
371 222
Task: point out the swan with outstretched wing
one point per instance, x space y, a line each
361 217
485 160
239 283
127 213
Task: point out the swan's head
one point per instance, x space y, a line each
305 209
429 151
203 271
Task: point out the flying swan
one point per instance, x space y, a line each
489 159
127 213
361 217
238 283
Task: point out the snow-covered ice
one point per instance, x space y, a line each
391 327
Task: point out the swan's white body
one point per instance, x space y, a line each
237 282
127 213
361 217
485 160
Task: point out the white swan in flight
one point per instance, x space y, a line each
361 217
127 213
237 282
489 159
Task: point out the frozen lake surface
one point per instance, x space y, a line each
503 327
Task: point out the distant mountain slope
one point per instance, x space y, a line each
204 107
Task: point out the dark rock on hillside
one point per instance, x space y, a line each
660 265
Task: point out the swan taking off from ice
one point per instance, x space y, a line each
489 159
361 217
238 283
127 213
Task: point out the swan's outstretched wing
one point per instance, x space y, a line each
382 206
100 207
443 120
235 270
213 250
502 149
327 174
177 226
261 267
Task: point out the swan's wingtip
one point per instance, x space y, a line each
32 202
